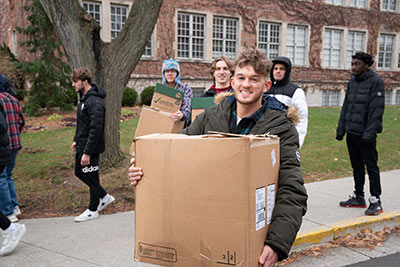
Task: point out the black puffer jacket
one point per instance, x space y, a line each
363 107
89 135
5 154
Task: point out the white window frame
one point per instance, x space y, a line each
382 64
149 48
266 42
228 37
397 98
352 48
335 2
196 38
93 13
298 45
389 5
358 3
119 19
330 98
331 50
388 97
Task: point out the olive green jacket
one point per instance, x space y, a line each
291 200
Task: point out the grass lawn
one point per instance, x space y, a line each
46 185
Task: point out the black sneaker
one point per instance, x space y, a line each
354 201
375 206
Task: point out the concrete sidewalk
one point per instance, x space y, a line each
108 240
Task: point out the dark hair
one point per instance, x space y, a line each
256 59
83 74
367 58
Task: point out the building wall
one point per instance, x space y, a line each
316 17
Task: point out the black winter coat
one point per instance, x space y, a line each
5 153
90 116
363 107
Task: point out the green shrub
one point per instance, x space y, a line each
147 95
129 97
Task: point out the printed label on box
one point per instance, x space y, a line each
260 208
157 252
270 201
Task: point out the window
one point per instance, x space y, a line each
14 43
385 54
357 3
355 42
332 48
94 9
148 50
191 36
269 38
198 92
389 5
296 44
388 97
225 37
397 100
330 98
335 2
119 15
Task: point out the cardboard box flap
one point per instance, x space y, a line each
168 91
202 102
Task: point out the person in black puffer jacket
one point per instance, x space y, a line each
89 141
361 120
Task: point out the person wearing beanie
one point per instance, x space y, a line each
361 119
222 71
171 75
289 93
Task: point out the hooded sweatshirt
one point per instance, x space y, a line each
90 116
171 64
291 95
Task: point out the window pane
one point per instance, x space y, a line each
269 39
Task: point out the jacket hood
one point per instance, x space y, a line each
369 73
171 64
97 91
6 85
288 64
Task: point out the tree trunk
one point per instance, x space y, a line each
111 63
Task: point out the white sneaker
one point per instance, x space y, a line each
12 238
17 211
86 216
12 217
104 202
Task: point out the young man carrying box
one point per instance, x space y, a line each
246 112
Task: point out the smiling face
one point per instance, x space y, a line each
248 86
222 74
170 76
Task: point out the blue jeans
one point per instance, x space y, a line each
8 196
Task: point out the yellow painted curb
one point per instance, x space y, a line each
331 231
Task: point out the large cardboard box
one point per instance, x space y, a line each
199 104
152 120
166 98
204 201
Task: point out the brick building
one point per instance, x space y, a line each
319 36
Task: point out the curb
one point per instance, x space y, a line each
352 226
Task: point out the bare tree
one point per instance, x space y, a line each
111 63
